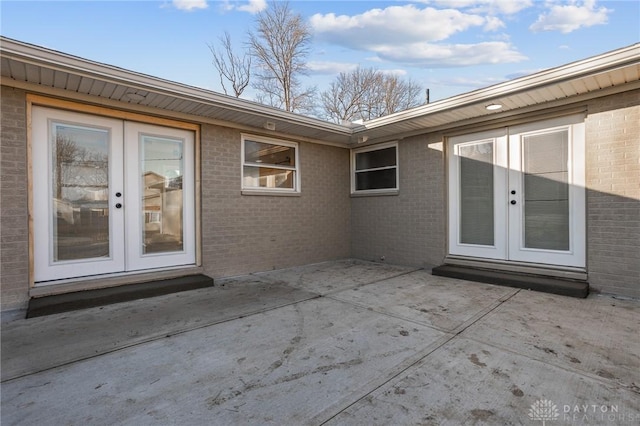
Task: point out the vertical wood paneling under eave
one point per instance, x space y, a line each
96 87
60 79
46 77
32 73
118 93
107 90
85 85
73 83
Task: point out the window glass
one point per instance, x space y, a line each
375 159
476 193
266 153
375 169
269 165
380 179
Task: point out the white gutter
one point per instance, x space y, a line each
590 66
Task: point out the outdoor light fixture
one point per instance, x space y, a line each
493 107
269 125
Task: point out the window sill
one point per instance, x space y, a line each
375 193
269 193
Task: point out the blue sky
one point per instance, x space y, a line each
448 46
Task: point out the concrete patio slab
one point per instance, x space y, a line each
280 367
405 349
36 344
599 336
331 277
443 303
471 383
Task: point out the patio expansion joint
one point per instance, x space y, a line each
565 367
396 372
356 286
160 336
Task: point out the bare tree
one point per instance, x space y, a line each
399 95
280 46
231 67
365 94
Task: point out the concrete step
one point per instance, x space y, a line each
562 286
58 303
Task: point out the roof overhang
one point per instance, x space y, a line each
39 69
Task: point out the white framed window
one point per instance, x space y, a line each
374 169
269 165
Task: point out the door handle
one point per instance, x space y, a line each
513 201
118 205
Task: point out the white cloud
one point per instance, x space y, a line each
329 68
453 55
253 6
505 7
395 24
570 17
396 72
190 5
493 24
408 35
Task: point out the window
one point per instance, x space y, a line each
375 169
269 165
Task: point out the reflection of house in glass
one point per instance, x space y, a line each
162 213
81 208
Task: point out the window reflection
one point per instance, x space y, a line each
162 204
80 157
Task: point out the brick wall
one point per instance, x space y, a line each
407 228
613 194
14 226
249 233
243 233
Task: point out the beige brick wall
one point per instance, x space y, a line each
408 228
613 194
14 226
243 233
249 233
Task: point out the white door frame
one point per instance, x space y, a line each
45 267
508 218
134 218
123 169
575 255
498 250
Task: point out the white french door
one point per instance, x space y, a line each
109 196
517 194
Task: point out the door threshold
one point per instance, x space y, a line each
546 284
59 303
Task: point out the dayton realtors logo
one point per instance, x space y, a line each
544 410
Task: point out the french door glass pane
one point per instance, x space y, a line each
80 157
546 190
162 199
476 193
